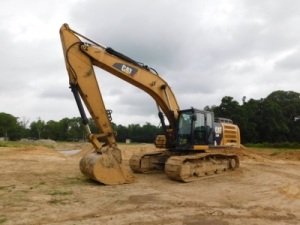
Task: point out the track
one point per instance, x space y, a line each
194 167
184 168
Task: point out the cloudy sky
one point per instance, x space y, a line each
204 49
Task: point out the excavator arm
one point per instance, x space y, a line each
80 57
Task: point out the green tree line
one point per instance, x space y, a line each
273 119
11 128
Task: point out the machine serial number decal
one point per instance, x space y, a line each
125 68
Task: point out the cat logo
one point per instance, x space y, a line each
125 68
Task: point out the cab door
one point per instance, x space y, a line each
203 128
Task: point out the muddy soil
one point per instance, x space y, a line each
40 185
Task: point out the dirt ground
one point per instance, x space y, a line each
40 185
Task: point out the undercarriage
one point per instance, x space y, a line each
185 166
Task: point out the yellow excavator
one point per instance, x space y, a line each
194 144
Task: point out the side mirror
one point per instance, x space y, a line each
194 117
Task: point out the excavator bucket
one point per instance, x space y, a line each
106 167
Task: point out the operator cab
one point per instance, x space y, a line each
195 127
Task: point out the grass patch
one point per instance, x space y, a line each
21 144
15 144
60 192
8 187
45 145
57 201
79 179
41 183
3 219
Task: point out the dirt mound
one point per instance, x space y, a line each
247 154
36 150
262 154
48 142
